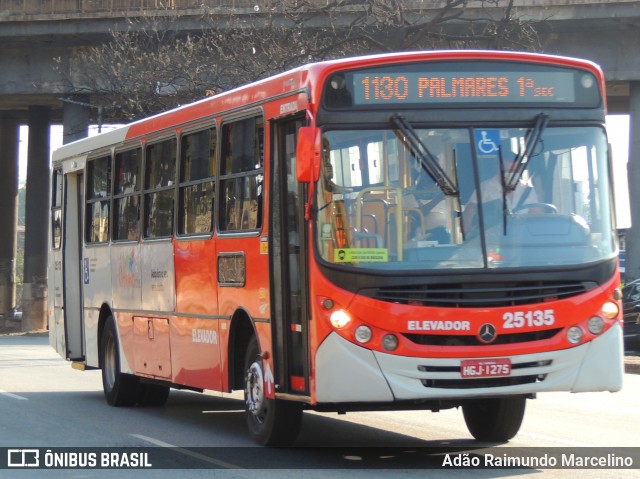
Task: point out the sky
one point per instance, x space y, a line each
617 129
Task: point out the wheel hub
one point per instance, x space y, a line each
254 390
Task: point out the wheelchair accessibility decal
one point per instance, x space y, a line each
487 141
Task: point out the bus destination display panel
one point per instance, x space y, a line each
463 83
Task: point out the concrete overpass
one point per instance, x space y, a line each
34 32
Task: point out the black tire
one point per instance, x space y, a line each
494 420
153 395
271 422
119 389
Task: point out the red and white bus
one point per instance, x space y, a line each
420 230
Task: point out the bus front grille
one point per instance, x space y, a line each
481 383
480 295
467 340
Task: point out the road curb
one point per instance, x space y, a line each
24 333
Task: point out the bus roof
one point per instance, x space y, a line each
303 78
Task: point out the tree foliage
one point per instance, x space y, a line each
167 58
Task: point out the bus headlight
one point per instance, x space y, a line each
610 310
363 334
595 325
574 334
339 319
390 342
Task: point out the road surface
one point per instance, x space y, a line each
46 404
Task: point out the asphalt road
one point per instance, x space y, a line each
46 404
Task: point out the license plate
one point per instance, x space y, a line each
485 368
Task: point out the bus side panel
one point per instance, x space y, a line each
126 285
195 333
126 281
150 345
195 352
151 348
56 303
248 290
96 272
158 292
196 277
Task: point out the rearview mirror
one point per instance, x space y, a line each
308 153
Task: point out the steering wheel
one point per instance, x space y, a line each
547 207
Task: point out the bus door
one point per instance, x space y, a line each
289 293
72 265
54 278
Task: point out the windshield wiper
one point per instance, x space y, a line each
505 206
428 162
521 161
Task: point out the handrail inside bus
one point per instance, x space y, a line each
399 213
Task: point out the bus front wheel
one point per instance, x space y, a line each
271 422
495 419
119 389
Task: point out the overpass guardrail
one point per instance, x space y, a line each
11 8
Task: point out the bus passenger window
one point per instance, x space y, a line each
127 218
159 181
56 209
126 195
97 207
197 182
241 175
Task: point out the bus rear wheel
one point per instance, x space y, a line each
271 422
119 389
495 419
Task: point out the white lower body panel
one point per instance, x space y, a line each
346 372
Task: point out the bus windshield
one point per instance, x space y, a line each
433 198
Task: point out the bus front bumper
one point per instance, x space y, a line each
346 372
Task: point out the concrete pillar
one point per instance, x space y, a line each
34 300
632 258
9 137
75 118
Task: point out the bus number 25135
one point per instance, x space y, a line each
521 319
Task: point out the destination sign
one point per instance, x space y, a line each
464 86
463 83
